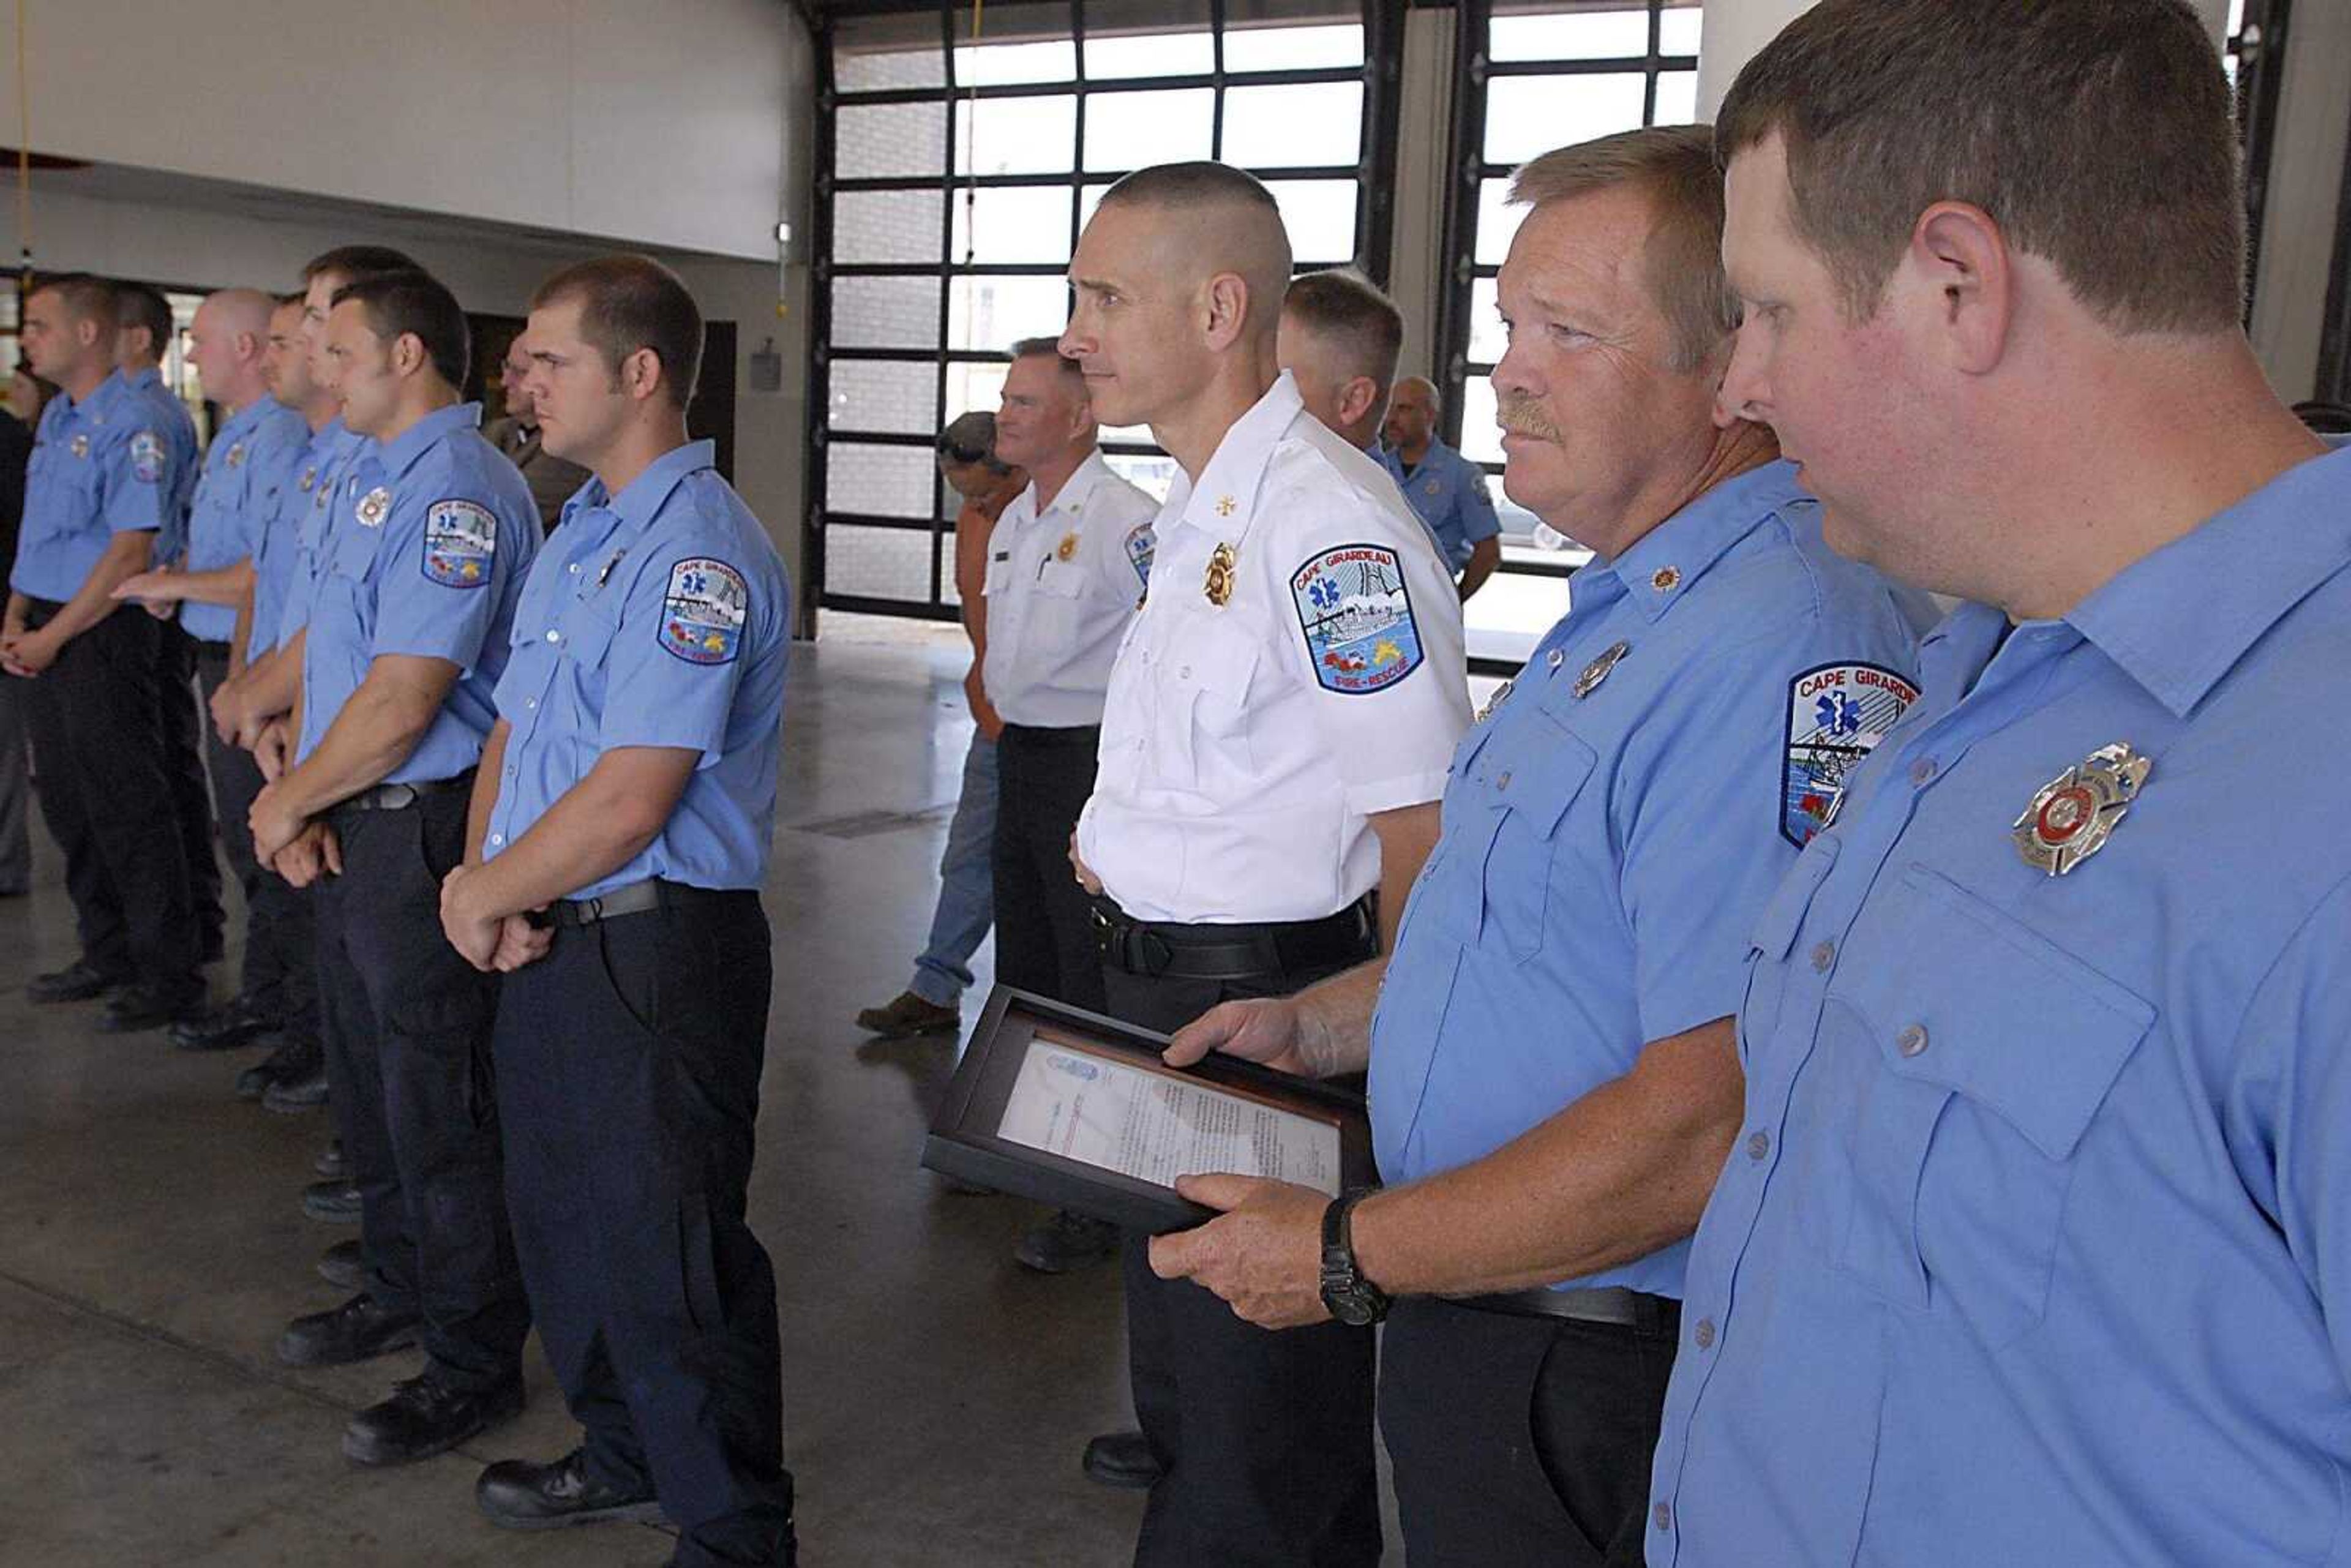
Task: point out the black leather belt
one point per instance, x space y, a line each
636 898
1083 738
1156 949
400 797
1609 1304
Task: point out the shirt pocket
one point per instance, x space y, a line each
1774 936
1994 1048
1207 672
1524 779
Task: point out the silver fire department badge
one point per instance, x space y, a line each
2075 812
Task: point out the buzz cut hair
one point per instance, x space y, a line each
1346 310
628 303
143 305
355 263
86 297
1200 187
416 304
1681 263
1047 348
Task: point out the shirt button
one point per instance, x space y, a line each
530 702
1705 1334
554 636
497 837
1823 955
1504 781
1663 1515
1922 770
1759 1144
575 569
1184 674
1556 659
1912 1040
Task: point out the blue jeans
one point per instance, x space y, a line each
966 884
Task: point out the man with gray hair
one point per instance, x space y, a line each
1553 1076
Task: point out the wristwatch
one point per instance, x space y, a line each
1353 1300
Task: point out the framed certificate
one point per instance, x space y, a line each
1076 1109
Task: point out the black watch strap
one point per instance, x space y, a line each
1352 1299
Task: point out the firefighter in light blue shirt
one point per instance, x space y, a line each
2031 1245
1446 490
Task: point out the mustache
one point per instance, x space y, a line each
1518 414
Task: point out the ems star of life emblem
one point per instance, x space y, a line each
2075 812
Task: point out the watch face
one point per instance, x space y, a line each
1352 1310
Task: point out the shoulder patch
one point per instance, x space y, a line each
146 456
704 611
461 541
1357 618
1836 716
1141 544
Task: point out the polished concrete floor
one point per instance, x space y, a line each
152 1246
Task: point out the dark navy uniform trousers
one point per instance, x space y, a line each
629 1061
281 975
408 1026
1265 1437
184 728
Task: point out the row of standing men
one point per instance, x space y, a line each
502 808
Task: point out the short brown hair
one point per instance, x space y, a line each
1343 308
354 263
2097 134
87 297
416 304
143 305
1049 348
1674 166
633 302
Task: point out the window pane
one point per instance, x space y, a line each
888 68
1132 129
1496 221
1578 36
1480 441
881 563
885 225
1148 54
1291 126
886 312
975 388
1153 474
1320 217
1511 612
1292 48
991 65
1529 115
883 141
1015 135
1677 98
1089 198
1486 339
1022 224
996 312
882 481
898 397
1680 33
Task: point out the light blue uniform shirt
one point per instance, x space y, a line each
250 461
278 544
434 535
660 616
100 467
2036 1246
1448 494
334 449
1603 857
177 429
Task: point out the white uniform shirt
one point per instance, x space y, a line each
1061 587
1245 743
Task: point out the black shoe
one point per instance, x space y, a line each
359 1330
427 1416
329 1163
233 1023
336 1202
143 1006
342 1267
291 1096
1067 1242
77 982
520 1495
1123 1459
294 1059
906 1015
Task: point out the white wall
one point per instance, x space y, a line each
659 124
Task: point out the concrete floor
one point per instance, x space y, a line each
152 1246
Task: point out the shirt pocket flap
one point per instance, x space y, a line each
1783 916
1222 663
1535 770
2003 1016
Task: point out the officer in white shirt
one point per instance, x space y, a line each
1066 565
1278 730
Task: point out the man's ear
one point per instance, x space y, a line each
640 373
1961 281
1357 399
1226 298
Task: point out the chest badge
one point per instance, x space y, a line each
2075 812
1219 586
372 506
310 477
1598 670
1433 487
79 445
1493 702
1067 550
236 455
